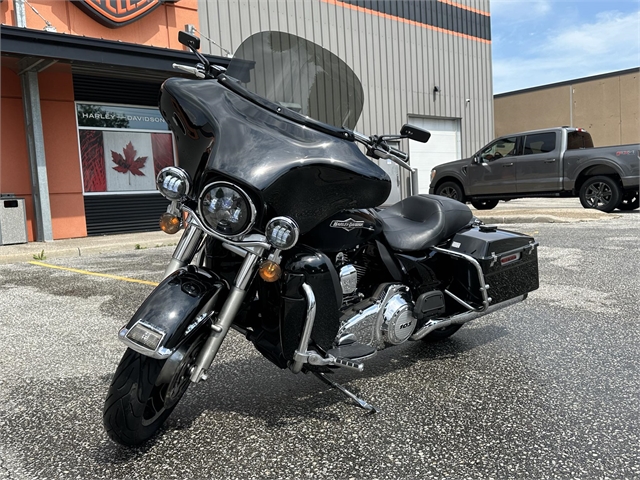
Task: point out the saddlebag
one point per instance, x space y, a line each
509 262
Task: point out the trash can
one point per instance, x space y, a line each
13 220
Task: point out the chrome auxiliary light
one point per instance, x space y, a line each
173 183
282 232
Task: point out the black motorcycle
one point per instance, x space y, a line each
284 240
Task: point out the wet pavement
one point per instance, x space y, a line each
546 389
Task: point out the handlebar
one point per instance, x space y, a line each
192 70
377 147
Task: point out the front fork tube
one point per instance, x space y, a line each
186 249
228 313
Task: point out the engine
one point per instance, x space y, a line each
385 318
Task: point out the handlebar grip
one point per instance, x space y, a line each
399 153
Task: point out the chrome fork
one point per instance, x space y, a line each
224 320
185 250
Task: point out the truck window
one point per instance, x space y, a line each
577 140
540 143
503 147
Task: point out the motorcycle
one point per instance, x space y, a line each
284 239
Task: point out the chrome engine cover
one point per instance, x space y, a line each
384 319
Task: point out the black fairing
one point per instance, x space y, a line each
174 304
299 172
343 231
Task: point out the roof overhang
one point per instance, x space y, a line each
103 54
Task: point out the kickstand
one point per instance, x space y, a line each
358 401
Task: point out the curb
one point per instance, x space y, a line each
508 219
81 248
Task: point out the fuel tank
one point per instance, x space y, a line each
343 231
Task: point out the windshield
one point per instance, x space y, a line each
299 75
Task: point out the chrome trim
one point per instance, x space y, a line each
185 250
348 279
301 355
194 220
437 323
180 175
465 304
293 228
368 320
252 207
483 288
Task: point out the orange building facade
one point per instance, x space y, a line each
82 65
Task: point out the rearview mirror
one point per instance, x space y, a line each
476 160
189 40
415 133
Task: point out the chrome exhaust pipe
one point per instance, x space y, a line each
436 323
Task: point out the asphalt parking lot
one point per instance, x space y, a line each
549 388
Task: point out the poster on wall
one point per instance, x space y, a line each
122 149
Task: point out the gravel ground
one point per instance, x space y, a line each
546 389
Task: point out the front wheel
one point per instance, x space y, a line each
451 190
144 391
484 204
602 193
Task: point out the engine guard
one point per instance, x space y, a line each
174 311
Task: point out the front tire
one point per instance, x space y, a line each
484 204
451 190
143 393
600 192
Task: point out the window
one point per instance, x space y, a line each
122 148
577 140
540 143
503 147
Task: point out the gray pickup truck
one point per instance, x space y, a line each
544 163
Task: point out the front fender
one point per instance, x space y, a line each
173 311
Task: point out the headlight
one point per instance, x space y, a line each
433 174
282 232
173 183
226 209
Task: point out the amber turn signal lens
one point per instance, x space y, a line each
270 271
169 223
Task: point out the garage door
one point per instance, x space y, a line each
444 146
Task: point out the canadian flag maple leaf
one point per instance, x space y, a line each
128 163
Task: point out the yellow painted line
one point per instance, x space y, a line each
95 274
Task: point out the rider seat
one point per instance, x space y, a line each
422 221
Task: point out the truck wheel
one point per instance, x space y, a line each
629 201
602 193
451 190
484 204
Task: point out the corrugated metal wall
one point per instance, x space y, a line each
400 50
